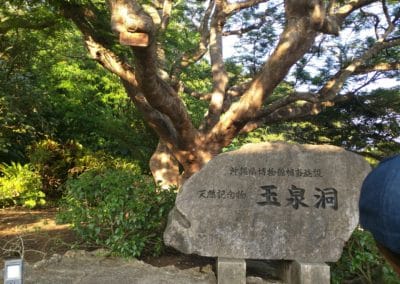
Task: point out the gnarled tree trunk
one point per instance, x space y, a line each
232 109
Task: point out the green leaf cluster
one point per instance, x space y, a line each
20 185
368 124
182 35
118 209
53 161
52 90
361 262
254 46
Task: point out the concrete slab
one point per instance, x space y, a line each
295 272
231 271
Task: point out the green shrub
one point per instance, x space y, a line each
20 185
117 209
53 161
362 262
103 160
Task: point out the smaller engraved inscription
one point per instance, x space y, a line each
221 194
278 172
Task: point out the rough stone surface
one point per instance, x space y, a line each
249 204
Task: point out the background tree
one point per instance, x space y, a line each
307 56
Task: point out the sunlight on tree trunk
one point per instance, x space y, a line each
164 167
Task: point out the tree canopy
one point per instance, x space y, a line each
312 70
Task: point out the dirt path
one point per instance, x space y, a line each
36 234
47 252
33 233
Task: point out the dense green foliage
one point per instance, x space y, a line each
58 107
54 161
20 185
118 209
362 263
369 125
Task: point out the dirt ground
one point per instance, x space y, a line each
35 234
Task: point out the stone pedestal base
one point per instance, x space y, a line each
231 271
295 272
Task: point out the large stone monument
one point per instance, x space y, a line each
270 201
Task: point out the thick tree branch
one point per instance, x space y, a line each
159 122
286 105
171 113
298 36
166 130
164 110
245 29
293 111
96 46
234 92
204 31
166 14
308 97
187 58
379 67
350 7
334 85
235 7
330 19
219 75
286 109
161 96
201 96
110 61
295 41
289 107
129 16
